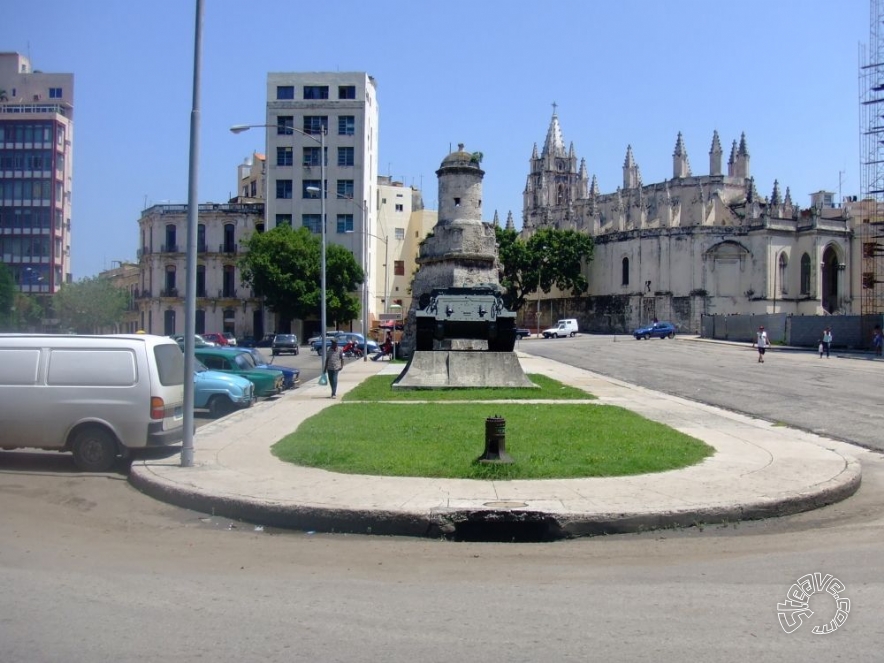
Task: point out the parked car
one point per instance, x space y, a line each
231 339
268 382
522 332
216 338
343 338
284 344
566 327
265 342
198 341
246 342
291 376
220 393
655 330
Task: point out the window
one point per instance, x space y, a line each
805 274
783 264
399 233
345 223
228 283
200 281
345 188
283 188
315 124
624 272
400 207
283 156
311 156
171 290
316 92
346 92
398 268
285 91
346 156
284 124
283 219
313 222
201 237
346 125
311 188
55 93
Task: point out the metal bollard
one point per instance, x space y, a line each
495 441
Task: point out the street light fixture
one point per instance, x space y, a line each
239 128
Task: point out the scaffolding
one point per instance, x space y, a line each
871 207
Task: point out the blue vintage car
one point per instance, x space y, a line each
290 376
655 330
220 393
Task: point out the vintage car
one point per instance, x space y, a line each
220 393
291 376
268 382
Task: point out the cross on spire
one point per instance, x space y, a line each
555 106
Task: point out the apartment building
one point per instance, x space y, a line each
36 149
309 111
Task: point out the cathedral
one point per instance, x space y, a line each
692 244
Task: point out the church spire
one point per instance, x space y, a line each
775 196
510 224
630 170
554 145
715 155
534 154
496 220
681 167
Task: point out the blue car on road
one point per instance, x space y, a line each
655 330
290 376
220 393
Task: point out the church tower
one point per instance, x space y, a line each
555 182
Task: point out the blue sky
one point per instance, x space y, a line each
481 72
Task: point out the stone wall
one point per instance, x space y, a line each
848 331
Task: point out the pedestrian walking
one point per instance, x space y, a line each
826 342
334 362
762 343
877 340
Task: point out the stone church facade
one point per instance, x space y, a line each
689 245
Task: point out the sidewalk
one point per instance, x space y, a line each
759 470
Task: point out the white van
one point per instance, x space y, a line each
96 396
566 327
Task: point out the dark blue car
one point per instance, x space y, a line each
655 330
290 376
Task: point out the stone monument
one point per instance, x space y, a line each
457 257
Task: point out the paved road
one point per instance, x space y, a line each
838 397
93 570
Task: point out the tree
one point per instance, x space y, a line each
548 258
7 296
283 266
90 304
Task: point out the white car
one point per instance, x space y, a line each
563 328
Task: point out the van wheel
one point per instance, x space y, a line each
219 406
95 450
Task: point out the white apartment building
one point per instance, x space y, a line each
36 156
309 110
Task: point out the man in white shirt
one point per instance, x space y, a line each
762 343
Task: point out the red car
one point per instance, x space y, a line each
216 338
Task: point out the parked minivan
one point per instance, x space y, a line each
99 397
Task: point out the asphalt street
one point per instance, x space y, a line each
839 397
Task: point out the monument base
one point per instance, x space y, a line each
440 369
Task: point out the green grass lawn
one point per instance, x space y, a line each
379 388
443 438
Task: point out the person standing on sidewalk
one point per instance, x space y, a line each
877 340
826 343
334 362
762 342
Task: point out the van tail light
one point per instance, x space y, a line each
157 408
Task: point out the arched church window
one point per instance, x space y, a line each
783 263
624 278
805 274
560 194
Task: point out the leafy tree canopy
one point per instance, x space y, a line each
90 304
550 257
283 265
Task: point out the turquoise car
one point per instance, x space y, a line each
220 393
268 382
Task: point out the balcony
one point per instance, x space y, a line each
227 293
202 248
142 294
169 292
144 251
169 248
227 248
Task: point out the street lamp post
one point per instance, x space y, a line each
239 128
